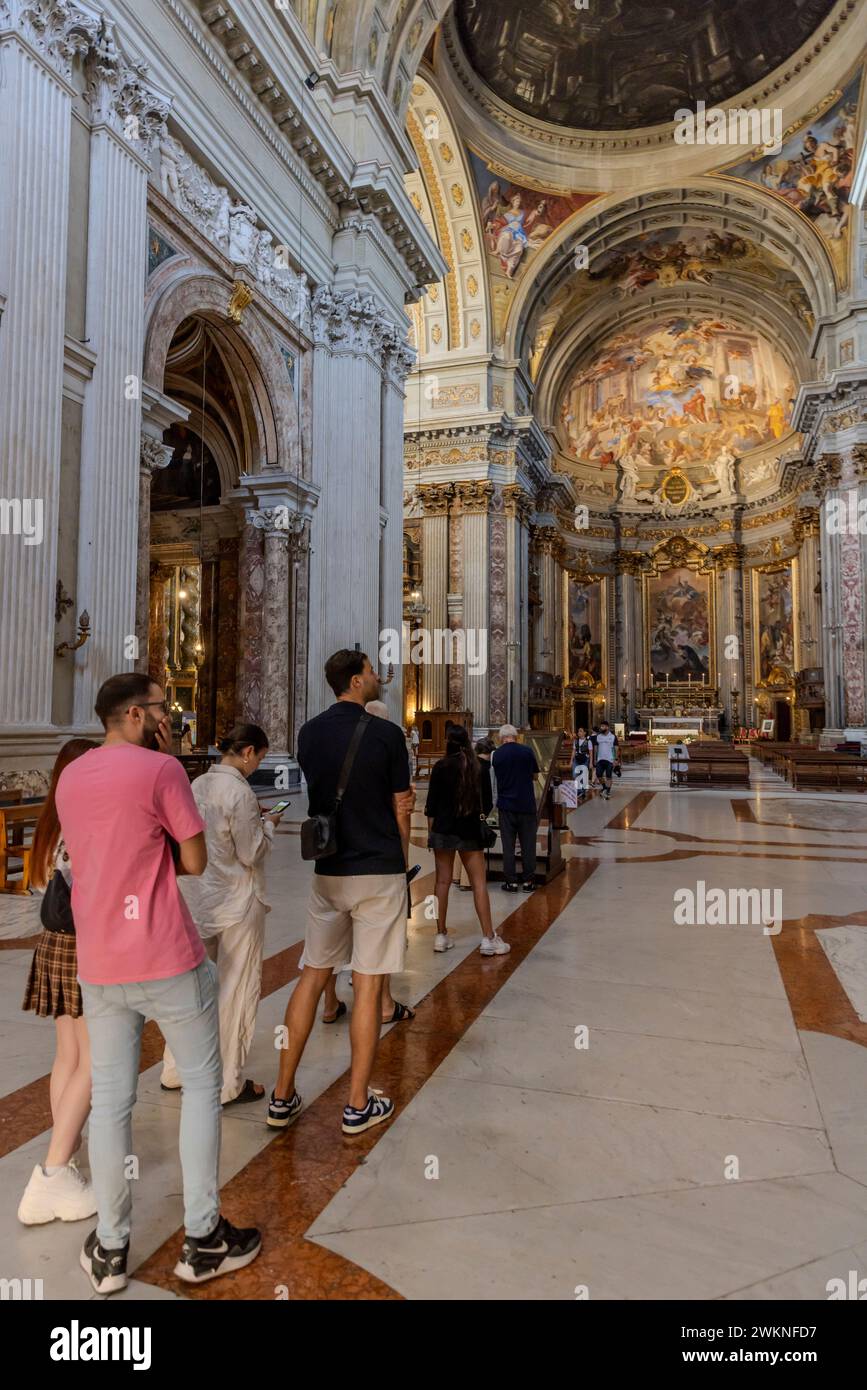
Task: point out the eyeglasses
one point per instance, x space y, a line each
145 704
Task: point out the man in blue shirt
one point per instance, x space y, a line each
515 767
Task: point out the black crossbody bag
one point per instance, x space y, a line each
319 833
55 910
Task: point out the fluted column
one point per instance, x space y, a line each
728 561
544 543
842 596
435 500
349 415
474 499
127 117
35 115
398 358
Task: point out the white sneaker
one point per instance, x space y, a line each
494 946
443 942
65 1196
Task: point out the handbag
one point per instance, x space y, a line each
55 910
319 832
487 834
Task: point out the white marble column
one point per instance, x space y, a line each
436 500
809 602
127 116
629 653
276 646
398 358
474 499
35 115
347 460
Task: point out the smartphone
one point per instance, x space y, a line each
276 810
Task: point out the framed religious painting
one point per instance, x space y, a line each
679 615
586 646
775 625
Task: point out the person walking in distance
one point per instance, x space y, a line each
357 908
458 801
515 768
605 755
229 902
57 1190
121 809
582 760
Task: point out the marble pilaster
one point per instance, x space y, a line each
251 590
518 509
728 561
436 502
276 645
35 117
474 500
152 455
127 116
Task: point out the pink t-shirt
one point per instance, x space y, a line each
115 806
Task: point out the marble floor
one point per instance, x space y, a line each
630 1105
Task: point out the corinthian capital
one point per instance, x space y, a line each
474 496
435 498
56 29
120 94
154 454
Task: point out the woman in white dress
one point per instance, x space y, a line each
228 902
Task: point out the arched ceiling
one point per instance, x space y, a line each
618 65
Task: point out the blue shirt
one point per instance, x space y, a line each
515 767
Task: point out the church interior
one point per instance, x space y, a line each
522 346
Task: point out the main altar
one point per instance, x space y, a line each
685 710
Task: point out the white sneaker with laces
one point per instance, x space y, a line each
65 1196
443 942
494 946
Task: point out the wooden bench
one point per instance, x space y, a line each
717 769
17 824
835 773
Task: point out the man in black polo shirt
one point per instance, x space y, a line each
357 906
515 770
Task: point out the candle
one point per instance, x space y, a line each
666 678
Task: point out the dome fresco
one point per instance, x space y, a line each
620 65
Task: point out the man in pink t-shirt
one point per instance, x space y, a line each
130 826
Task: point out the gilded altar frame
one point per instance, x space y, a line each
678 552
780 683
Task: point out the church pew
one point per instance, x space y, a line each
717 769
837 773
17 824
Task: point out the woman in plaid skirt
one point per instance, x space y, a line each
56 1188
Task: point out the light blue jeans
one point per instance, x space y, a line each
185 1009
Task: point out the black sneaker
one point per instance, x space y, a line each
510 887
280 1112
106 1269
530 885
226 1249
377 1109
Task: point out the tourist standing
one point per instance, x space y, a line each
57 1190
459 799
515 769
392 1011
582 760
140 957
357 906
229 902
606 754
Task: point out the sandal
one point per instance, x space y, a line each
246 1095
402 1013
341 1010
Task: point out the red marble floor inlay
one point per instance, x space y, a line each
286 1186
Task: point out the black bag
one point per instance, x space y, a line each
319 833
55 911
487 834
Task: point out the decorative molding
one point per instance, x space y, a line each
154 455
435 498
474 497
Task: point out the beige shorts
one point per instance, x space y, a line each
360 919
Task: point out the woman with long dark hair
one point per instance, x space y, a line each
57 1190
228 902
458 802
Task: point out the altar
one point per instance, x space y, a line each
687 711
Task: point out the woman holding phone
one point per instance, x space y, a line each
228 901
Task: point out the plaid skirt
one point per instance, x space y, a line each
52 987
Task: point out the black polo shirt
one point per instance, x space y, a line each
368 838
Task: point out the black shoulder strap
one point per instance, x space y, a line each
357 736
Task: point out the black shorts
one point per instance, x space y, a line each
604 768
